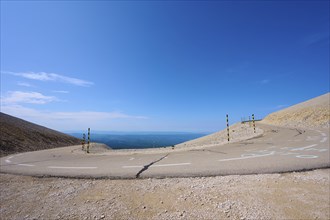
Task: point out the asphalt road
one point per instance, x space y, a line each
277 150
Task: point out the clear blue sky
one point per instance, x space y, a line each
160 66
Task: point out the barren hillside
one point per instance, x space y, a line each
309 114
17 135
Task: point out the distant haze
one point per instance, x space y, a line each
136 140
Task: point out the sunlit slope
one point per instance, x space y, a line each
237 132
309 114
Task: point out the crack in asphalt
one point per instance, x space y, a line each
299 131
148 165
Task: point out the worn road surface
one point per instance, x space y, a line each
277 150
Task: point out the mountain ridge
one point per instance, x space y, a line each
18 135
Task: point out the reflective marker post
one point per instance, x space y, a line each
89 137
254 124
83 141
227 127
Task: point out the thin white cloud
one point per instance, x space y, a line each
42 76
264 81
280 106
316 38
25 84
16 97
71 120
92 115
60 91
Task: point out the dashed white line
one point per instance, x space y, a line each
25 165
159 165
132 166
170 165
56 167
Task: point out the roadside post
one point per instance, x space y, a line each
254 124
83 141
89 137
227 127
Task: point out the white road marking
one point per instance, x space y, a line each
132 166
132 158
324 140
55 167
288 153
26 165
307 156
170 165
248 157
303 148
323 134
159 165
8 159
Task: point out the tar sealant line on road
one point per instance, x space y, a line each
56 167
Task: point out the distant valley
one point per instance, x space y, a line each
139 140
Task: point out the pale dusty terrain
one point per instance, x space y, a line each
302 195
313 113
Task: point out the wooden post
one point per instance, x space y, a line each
227 127
89 138
254 124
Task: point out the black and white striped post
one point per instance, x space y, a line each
254 124
89 138
227 126
83 141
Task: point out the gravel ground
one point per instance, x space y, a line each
304 195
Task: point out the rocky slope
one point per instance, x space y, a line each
17 135
309 114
